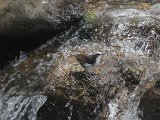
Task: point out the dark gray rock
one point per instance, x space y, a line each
149 103
24 24
110 89
23 18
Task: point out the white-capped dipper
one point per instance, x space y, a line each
88 61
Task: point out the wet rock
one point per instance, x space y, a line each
120 2
110 89
28 24
22 18
65 110
149 104
100 84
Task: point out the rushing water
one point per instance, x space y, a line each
133 38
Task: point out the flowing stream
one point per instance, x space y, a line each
130 66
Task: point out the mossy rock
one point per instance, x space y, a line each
90 16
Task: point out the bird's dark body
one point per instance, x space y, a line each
84 59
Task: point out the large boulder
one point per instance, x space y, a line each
24 25
112 88
20 18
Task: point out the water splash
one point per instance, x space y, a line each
20 107
130 46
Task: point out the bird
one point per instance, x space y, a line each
87 61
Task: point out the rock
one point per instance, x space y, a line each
69 86
110 89
149 103
28 24
23 18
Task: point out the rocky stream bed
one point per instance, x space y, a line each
80 60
